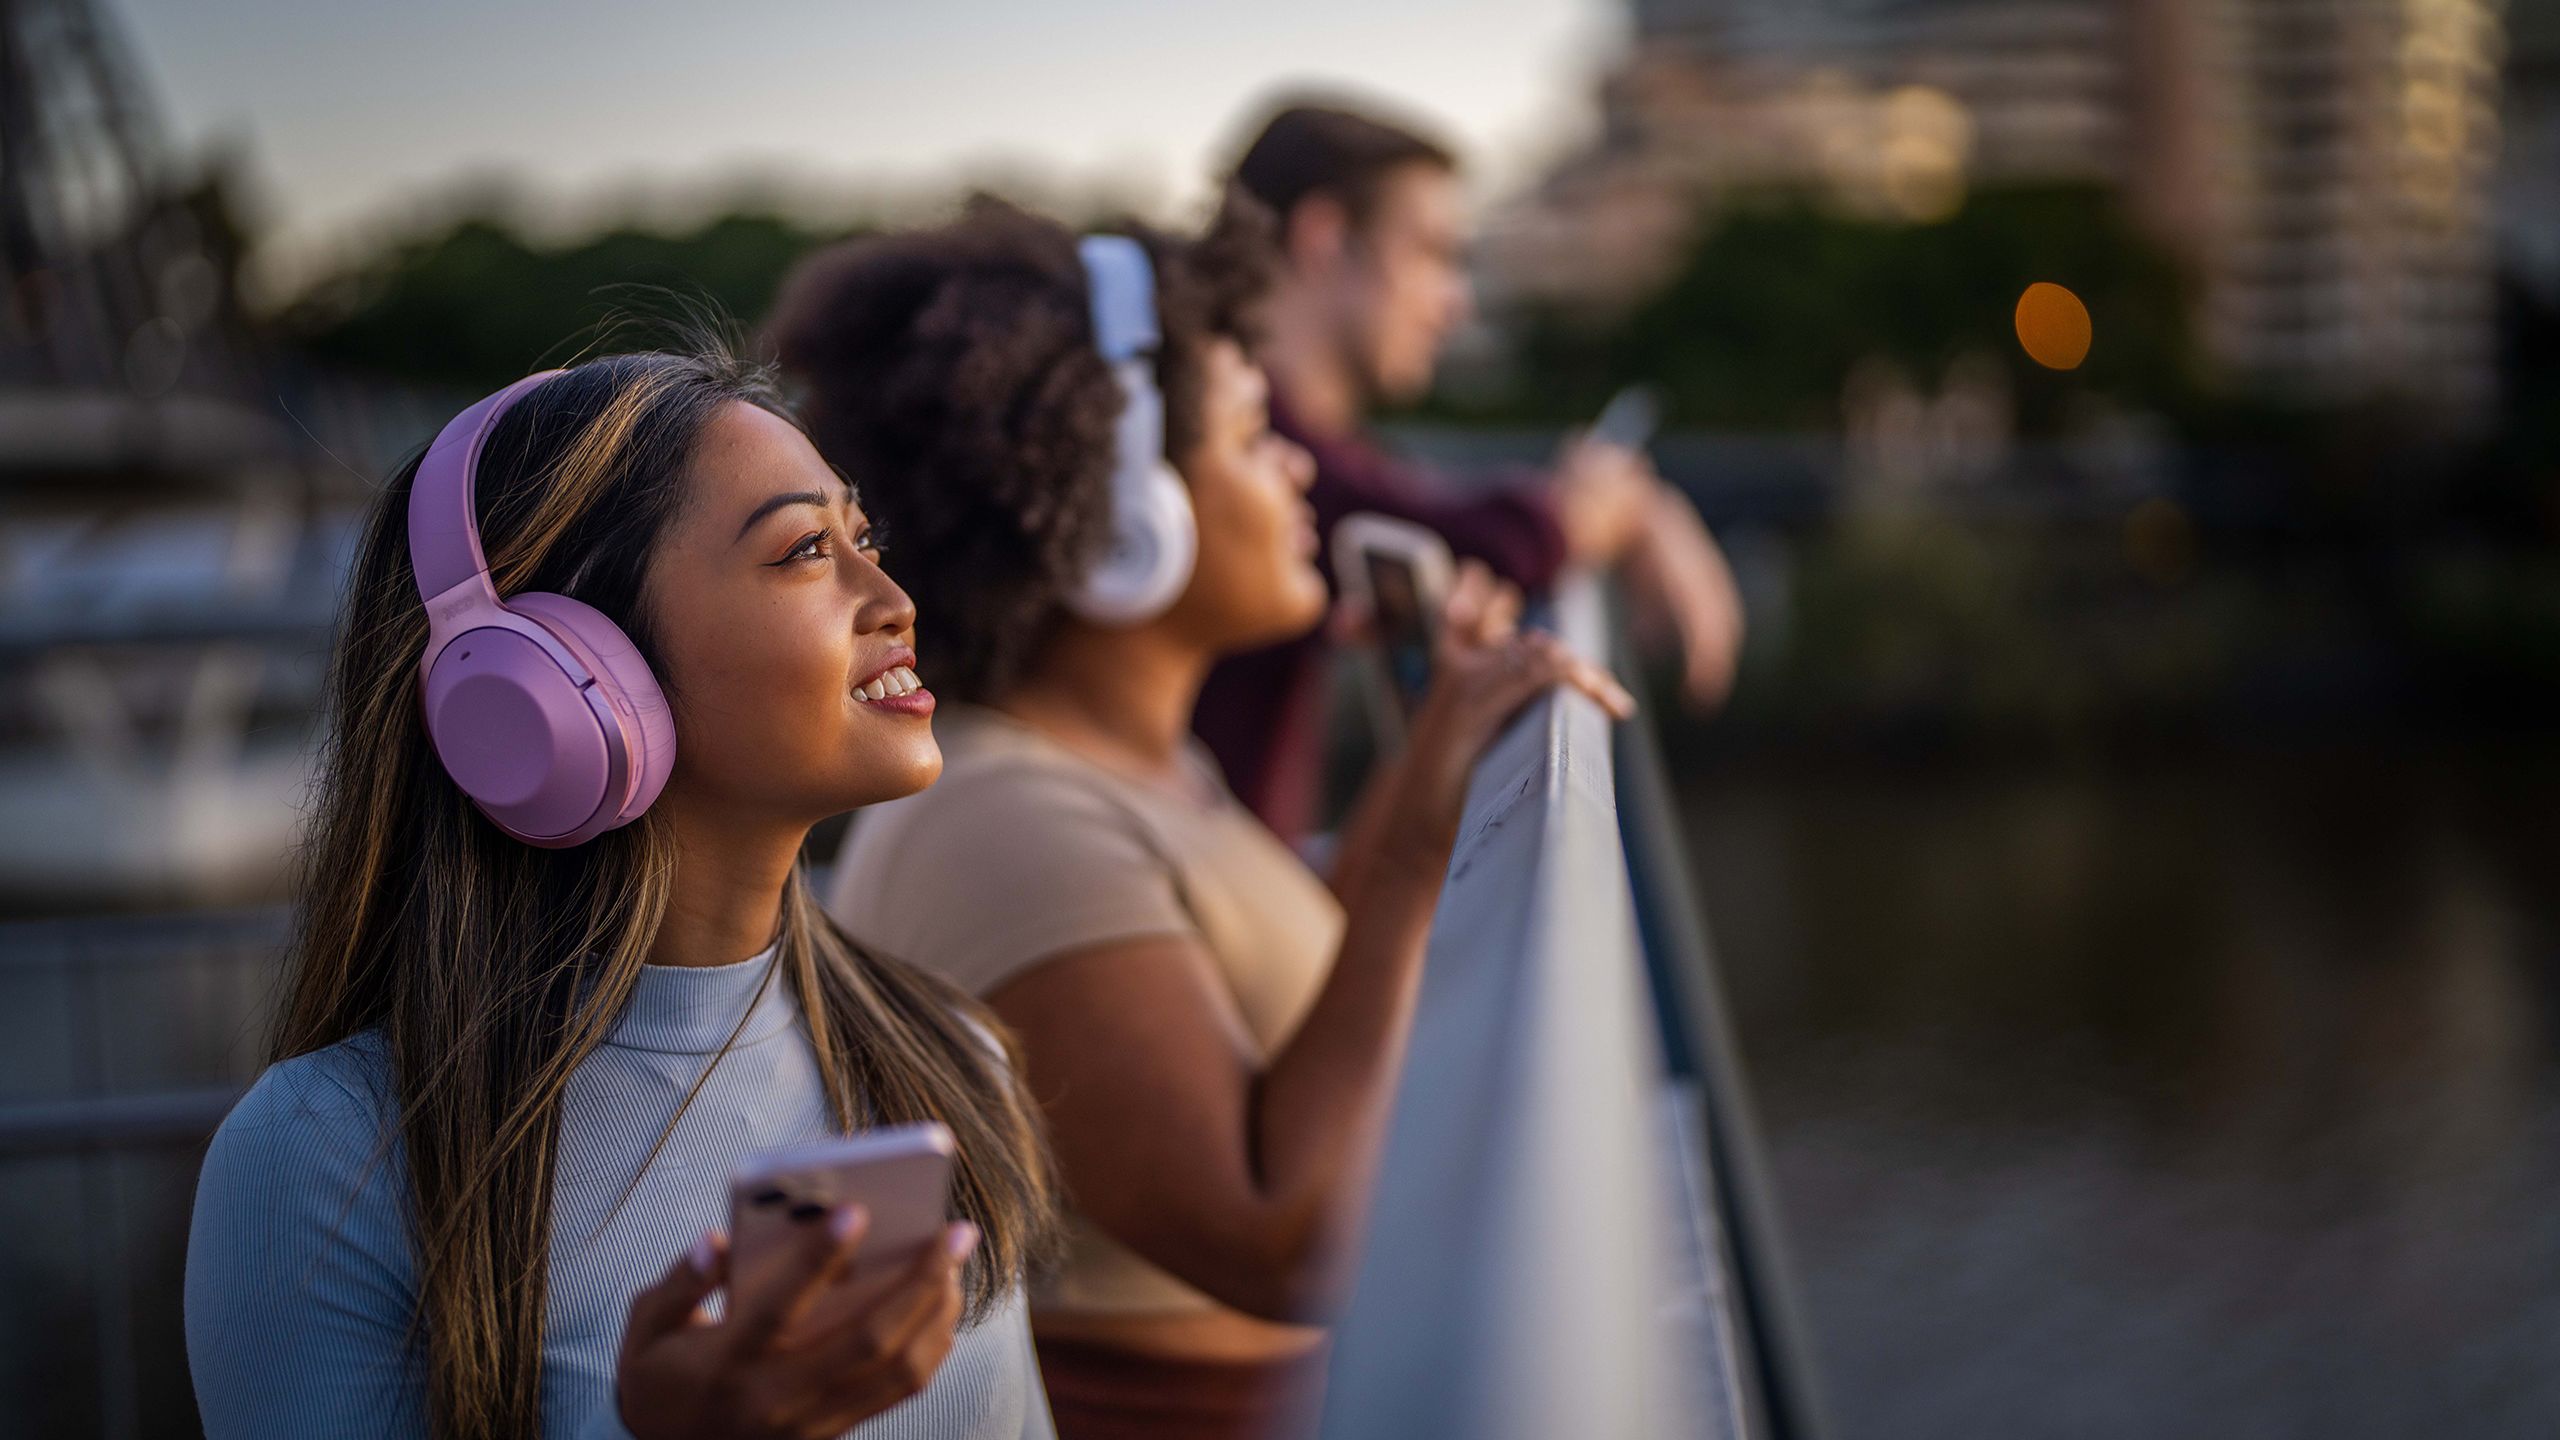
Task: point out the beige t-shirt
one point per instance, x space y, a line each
1024 851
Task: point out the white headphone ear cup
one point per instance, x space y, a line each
1155 541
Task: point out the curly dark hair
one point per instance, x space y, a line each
951 374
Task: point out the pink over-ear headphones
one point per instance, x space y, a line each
540 708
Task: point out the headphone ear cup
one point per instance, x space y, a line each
1155 542
518 735
629 687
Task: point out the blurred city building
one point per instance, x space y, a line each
2325 168
2528 203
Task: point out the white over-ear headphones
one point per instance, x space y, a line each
1154 538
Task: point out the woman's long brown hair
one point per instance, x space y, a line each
489 969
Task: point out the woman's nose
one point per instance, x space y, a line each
883 604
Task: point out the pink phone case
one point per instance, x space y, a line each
901 1174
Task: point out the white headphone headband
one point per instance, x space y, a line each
1123 285
1153 539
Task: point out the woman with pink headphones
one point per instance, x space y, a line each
611 648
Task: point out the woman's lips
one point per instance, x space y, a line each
894 687
918 703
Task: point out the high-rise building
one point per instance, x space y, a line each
1889 109
2323 165
2528 192
2348 249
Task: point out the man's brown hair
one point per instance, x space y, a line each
1309 148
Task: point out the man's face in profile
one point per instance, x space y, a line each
1407 286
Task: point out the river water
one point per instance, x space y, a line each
2209 1095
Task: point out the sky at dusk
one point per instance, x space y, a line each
357 116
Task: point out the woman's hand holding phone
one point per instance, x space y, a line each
758 1373
1483 669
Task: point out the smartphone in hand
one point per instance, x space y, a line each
901 1174
1398 573
1629 419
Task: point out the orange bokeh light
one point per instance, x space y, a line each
2053 326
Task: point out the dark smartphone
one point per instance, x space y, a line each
1404 628
1400 573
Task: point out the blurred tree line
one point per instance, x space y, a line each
477 303
1780 297
1758 328
2334 568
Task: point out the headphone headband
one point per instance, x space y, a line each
1122 283
1154 538
444 526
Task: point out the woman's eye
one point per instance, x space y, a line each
812 546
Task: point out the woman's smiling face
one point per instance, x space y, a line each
786 651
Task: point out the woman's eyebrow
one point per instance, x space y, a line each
779 502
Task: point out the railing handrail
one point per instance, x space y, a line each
114 1122
105 1117
137 938
1523 1264
1703 1048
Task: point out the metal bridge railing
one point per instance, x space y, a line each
1565 1239
128 1038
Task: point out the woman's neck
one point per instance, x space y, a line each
726 903
1120 696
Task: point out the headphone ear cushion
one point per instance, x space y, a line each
630 689
1155 542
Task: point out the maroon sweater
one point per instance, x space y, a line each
1263 713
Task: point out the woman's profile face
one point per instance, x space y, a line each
1256 580
785 648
